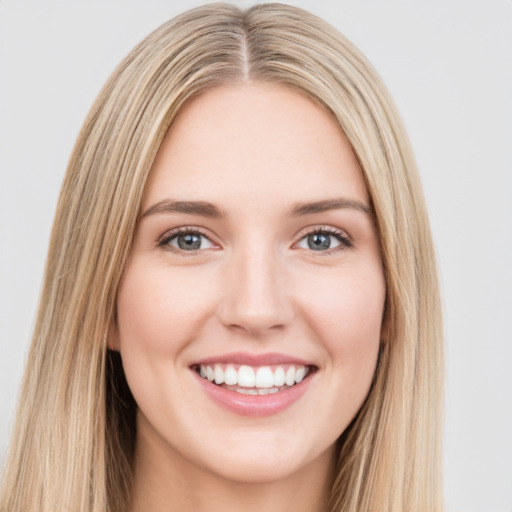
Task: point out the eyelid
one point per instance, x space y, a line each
343 237
163 240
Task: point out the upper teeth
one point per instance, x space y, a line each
249 377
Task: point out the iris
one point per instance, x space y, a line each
319 241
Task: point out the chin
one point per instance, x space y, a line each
266 469
261 459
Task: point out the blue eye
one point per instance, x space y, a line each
323 241
187 241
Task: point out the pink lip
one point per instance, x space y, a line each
256 360
250 405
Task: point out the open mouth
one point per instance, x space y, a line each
251 380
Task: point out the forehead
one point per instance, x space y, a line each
254 140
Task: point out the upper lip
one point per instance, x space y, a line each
245 358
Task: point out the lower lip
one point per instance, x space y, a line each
254 405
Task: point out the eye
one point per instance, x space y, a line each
325 240
186 240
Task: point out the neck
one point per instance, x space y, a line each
165 481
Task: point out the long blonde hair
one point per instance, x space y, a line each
73 440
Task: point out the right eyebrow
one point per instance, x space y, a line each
202 208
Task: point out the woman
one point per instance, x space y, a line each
239 307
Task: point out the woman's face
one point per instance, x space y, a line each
255 262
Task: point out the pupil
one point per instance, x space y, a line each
189 242
319 242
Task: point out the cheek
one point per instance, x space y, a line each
159 308
347 318
160 311
344 318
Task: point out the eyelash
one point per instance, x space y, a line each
164 240
339 235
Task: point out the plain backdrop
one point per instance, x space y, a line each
448 65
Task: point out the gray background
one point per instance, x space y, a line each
448 65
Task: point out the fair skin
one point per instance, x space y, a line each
281 268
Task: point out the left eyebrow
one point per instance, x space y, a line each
309 208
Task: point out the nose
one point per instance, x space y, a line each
255 297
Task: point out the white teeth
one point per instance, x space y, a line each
230 375
267 391
264 379
247 391
279 377
290 376
219 374
300 374
246 377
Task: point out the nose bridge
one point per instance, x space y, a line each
255 298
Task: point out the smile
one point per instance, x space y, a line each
251 380
254 385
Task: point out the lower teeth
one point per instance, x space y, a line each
254 391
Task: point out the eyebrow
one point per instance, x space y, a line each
191 207
206 209
328 204
202 208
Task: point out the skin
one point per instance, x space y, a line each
255 285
